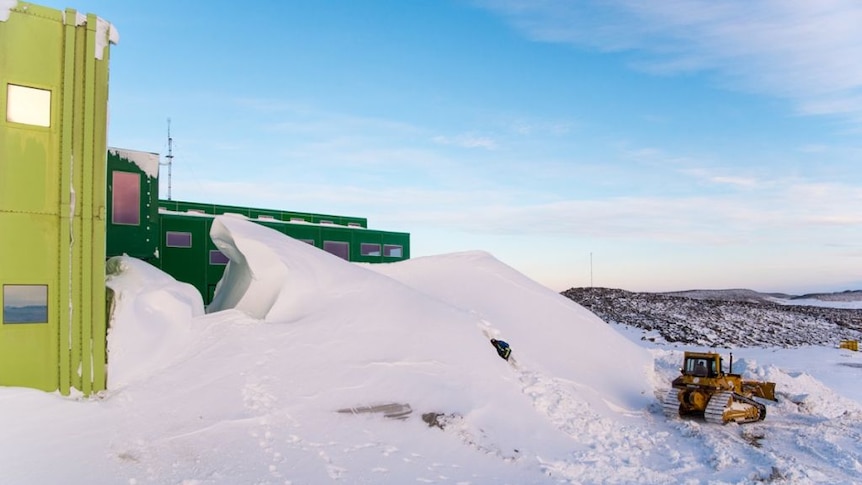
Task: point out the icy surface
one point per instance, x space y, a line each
226 398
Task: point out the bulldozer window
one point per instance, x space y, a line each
697 367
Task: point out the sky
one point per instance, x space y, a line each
649 146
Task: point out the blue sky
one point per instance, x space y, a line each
648 146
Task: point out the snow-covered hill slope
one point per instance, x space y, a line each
351 374
744 319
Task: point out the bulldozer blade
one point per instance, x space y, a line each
765 390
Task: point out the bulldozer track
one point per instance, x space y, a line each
714 412
670 403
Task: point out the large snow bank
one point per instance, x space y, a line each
398 341
150 321
227 398
547 331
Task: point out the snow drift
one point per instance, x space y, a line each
290 378
151 319
433 341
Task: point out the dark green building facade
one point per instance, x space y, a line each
174 235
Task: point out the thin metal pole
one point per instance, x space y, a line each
170 157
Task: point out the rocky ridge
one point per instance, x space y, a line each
735 318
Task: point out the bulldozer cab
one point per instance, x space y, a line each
701 365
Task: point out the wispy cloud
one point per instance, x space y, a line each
806 51
467 140
783 212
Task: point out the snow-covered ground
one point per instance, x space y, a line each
291 376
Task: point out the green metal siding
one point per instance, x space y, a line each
137 240
192 265
253 213
186 264
52 197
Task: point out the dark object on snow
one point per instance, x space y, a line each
503 348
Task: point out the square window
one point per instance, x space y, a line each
369 249
218 258
308 241
25 304
338 248
126 198
178 239
393 251
30 106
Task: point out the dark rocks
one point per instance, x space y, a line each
711 322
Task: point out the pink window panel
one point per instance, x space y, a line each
126 199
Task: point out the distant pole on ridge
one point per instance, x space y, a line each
591 269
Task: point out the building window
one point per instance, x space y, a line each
297 219
178 239
325 221
25 304
369 249
126 199
29 106
393 251
217 257
338 248
308 241
354 224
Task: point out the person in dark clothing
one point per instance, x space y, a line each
503 348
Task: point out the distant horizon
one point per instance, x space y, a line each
684 144
810 293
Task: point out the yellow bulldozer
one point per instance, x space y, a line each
703 389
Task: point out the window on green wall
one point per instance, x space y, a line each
393 250
338 248
178 239
308 241
29 106
369 249
25 304
218 258
126 198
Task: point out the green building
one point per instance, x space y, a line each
54 83
174 235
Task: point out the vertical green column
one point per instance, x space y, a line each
65 241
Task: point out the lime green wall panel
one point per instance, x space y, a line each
54 89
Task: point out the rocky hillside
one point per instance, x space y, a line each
740 318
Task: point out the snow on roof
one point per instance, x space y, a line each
6 7
148 162
106 34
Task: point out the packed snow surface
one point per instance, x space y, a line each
309 369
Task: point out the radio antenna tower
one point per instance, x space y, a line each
170 157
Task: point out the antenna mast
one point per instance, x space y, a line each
170 157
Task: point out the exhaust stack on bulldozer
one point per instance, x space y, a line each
704 389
